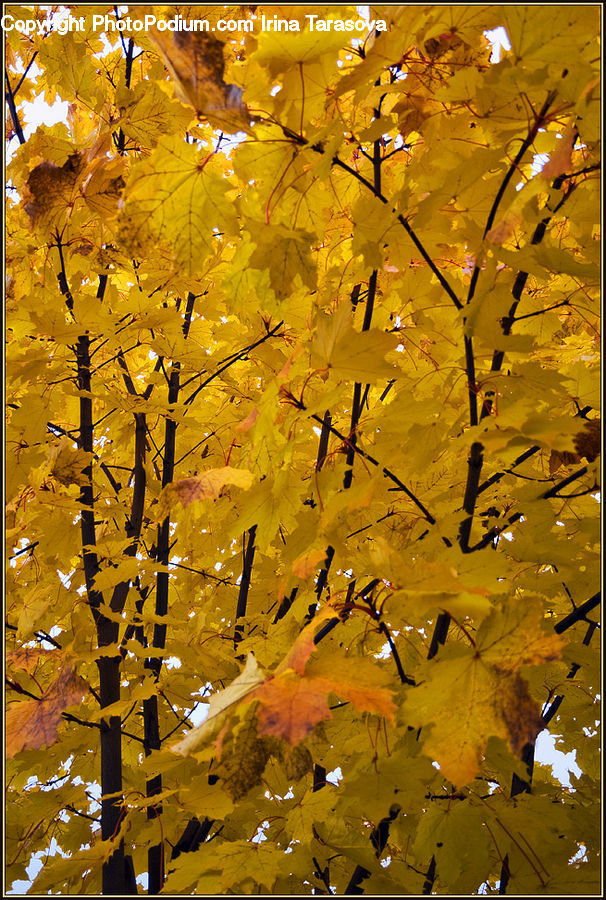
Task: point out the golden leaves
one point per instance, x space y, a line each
146 113
357 355
280 52
287 255
178 198
32 724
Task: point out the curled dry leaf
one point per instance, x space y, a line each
241 687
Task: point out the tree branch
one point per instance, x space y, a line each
240 355
387 472
247 563
10 99
579 614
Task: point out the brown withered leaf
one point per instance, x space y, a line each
562 458
32 724
49 188
588 441
243 757
519 712
196 64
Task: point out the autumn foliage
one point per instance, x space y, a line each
303 451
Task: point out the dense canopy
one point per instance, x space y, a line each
303 449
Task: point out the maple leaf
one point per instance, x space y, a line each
32 724
195 62
483 685
560 160
300 652
28 657
66 463
50 188
287 254
202 487
305 564
176 197
291 706
350 353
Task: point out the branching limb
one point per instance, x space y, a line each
10 99
235 359
579 614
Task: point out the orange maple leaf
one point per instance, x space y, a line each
32 724
292 706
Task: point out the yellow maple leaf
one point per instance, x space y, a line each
474 693
66 463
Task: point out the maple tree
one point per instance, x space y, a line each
303 430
